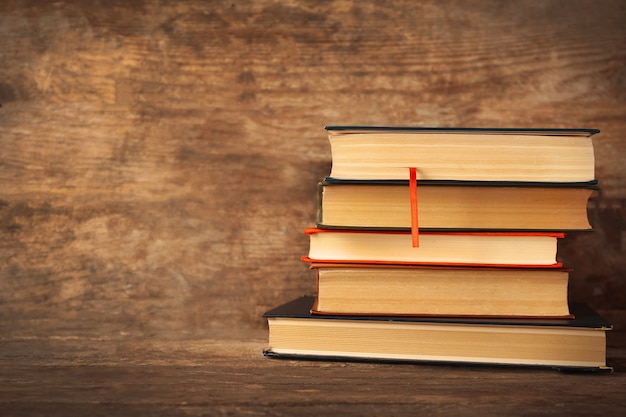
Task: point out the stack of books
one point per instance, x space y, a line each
441 245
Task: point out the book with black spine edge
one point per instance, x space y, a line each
583 317
470 130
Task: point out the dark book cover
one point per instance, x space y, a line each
471 130
583 317
594 184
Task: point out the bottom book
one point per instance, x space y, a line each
569 344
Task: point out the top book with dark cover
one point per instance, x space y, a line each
466 154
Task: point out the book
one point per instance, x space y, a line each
505 249
535 155
578 343
460 205
370 289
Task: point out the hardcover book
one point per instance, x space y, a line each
505 249
535 155
369 289
456 205
578 343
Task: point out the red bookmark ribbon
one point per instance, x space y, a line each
415 239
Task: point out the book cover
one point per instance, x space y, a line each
471 130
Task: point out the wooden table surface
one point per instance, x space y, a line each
208 377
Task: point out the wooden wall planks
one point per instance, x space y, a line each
159 159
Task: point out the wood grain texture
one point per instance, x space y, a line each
159 159
100 377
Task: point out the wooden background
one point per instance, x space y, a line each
159 159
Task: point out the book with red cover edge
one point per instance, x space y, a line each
314 230
316 265
558 235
